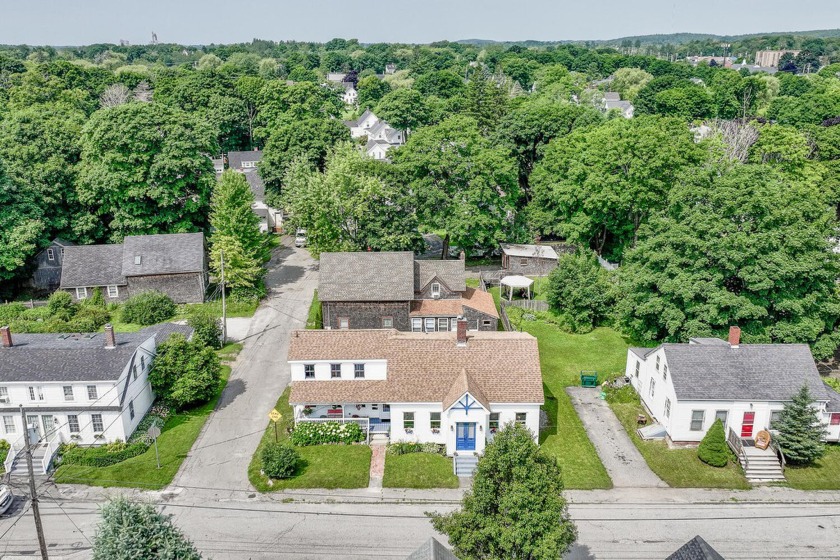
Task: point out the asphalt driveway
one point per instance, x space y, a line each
625 465
220 456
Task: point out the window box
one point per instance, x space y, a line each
409 430
77 436
435 430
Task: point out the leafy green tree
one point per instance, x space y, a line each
629 81
485 101
739 245
800 432
464 186
580 291
713 449
132 530
442 83
404 109
22 228
371 90
595 187
352 206
309 139
145 170
185 373
148 308
206 325
527 129
515 508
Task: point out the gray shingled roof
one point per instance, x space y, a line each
833 398
432 550
696 549
450 272
257 185
92 265
172 253
523 250
612 96
80 357
235 159
760 372
360 276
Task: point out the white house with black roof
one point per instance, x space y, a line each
175 264
85 388
685 387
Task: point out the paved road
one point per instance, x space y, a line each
625 465
649 524
220 456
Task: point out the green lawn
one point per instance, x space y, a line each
824 475
419 470
179 434
3 452
321 466
233 309
229 351
314 320
679 468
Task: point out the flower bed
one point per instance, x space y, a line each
406 447
104 456
315 433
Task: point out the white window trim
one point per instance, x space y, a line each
435 289
81 293
116 292
71 396
702 421
50 255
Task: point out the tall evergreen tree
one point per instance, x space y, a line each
800 431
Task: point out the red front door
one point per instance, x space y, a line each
747 425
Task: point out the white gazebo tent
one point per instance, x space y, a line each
516 282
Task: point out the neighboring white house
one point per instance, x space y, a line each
685 387
247 163
612 100
350 94
381 136
86 388
451 388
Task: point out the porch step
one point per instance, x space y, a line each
763 469
379 439
465 465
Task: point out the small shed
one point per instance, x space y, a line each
515 282
533 260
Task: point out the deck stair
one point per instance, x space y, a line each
19 466
465 465
761 465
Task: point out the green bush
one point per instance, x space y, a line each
207 327
406 447
185 373
713 449
279 460
148 308
104 456
61 305
11 311
314 433
95 300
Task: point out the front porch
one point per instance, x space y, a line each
373 418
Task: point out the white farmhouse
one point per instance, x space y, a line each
687 386
85 388
451 388
380 135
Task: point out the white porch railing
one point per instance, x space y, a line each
364 423
50 451
15 449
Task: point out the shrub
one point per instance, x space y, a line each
95 300
314 433
185 373
61 305
800 432
579 290
279 460
148 308
11 311
406 447
102 456
207 327
713 450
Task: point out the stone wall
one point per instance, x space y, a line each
366 314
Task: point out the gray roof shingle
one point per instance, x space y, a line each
696 549
172 253
360 276
450 272
833 398
235 159
522 250
92 265
80 357
761 372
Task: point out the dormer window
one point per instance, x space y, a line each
138 259
359 371
435 290
309 371
50 255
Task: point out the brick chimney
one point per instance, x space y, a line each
110 339
462 332
734 336
6 337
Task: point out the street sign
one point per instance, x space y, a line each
274 415
153 431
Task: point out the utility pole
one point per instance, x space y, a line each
224 308
32 496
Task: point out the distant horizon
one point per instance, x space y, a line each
60 23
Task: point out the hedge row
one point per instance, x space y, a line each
314 433
103 456
406 447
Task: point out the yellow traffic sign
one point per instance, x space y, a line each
274 415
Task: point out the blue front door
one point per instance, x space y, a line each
465 436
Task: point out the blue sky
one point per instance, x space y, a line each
74 22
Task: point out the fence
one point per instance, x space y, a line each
364 423
529 304
32 303
737 445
